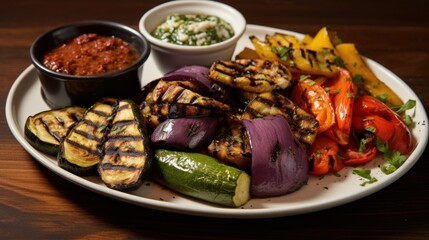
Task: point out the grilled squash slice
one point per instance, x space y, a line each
81 149
45 130
231 146
252 75
304 126
168 99
127 154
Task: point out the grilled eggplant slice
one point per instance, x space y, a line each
304 126
81 149
45 130
127 155
232 145
252 75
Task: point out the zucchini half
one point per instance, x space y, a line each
127 155
45 130
202 177
81 150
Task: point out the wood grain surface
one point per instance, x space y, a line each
37 204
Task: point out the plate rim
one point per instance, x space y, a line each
216 211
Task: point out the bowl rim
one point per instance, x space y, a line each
143 56
240 22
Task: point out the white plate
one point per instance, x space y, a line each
25 99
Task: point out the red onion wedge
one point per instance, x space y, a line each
279 163
185 133
200 76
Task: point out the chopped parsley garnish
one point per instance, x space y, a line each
366 174
339 62
382 97
394 159
408 105
303 77
357 79
282 52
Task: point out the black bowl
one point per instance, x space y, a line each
61 90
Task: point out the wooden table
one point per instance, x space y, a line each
37 204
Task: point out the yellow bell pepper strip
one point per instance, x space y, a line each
371 83
321 41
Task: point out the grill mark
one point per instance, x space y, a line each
112 151
91 123
298 122
100 113
96 152
124 138
110 166
60 121
48 129
123 107
181 94
87 135
123 123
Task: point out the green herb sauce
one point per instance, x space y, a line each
193 30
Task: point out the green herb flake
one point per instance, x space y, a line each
311 83
408 120
115 130
340 62
394 159
371 129
362 145
408 105
282 52
238 139
382 97
328 90
303 77
366 174
357 79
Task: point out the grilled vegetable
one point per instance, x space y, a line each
232 145
199 75
279 163
324 157
304 126
155 113
200 176
127 154
173 100
370 82
80 152
185 133
295 56
314 99
170 92
253 75
45 130
324 39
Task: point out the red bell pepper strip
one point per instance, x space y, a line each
310 96
342 91
401 139
323 157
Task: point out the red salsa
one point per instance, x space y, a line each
90 54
